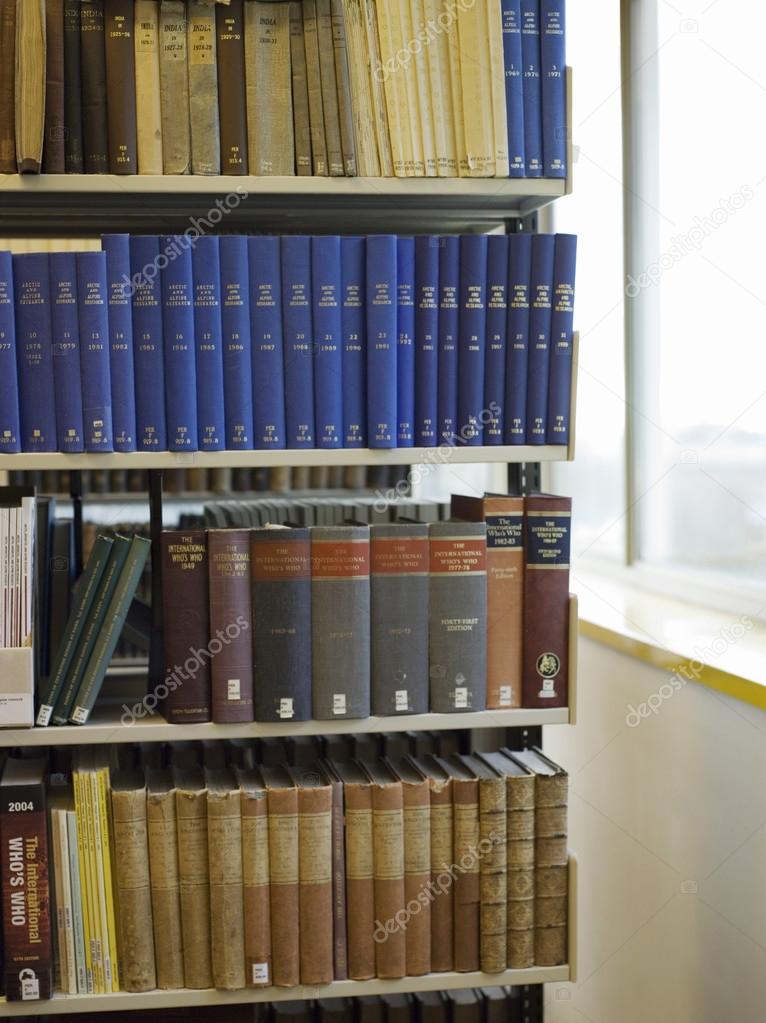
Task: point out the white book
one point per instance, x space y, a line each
63 891
453 48
497 85
4 563
441 91
365 135
420 45
377 90
404 41
28 508
477 89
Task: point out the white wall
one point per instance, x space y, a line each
668 820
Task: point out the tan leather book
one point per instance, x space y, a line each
362 113
163 869
456 84
300 756
300 87
360 869
30 85
419 62
314 78
174 88
387 72
417 864
268 77
330 106
55 132
465 808
134 895
377 90
442 863
411 115
437 56
476 87
224 837
148 101
7 86
203 88
315 875
256 897
194 876
497 87
284 867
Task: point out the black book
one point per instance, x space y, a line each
333 1010
495 1004
299 1011
430 1007
337 747
367 745
397 744
45 513
274 751
397 1008
93 72
304 750
369 1009
464 1006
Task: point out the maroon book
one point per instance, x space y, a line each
231 643
55 134
230 32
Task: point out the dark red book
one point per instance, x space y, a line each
53 142
231 641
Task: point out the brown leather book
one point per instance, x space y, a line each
339 929
72 89
284 869
329 88
93 70
7 86
504 517
194 876
301 119
163 867
465 808
224 836
315 874
547 530
55 133
442 861
230 624
314 79
230 28
417 864
30 85
255 878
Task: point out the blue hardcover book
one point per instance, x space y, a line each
92 302
10 423
298 341
121 368
554 87
517 343
34 351
65 334
206 270
268 353
449 319
514 86
540 306
426 341
354 321
532 88
178 333
472 338
237 343
328 357
148 357
497 326
562 328
405 344
382 340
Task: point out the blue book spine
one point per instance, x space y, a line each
426 341
382 341
34 351
148 358
554 87
517 344
237 344
121 367
178 333
472 339
92 302
65 334
497 326
514 86
405 344
449 319
298 341
268 351
540 307
562 341
532 89
353 318
328 357
10 423
206 270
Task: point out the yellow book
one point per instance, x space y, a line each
377 90
456 84
358 66
441 91
419 45
477 89
405 45
87 909
107 844
106 949
497 86
393 84
97 917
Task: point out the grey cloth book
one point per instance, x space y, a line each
203 88
329 88
174 88
301 121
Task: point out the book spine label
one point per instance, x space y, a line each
10 424
426 341
133 889
327 74
517 339
93 66
405 343
553 81
94 351
230 618
360 881
442 885
417 874
7 84
194 887
230 39
472 338
562 340
532 87
166 904
316 114
281 580
388 859
227 927
298 341
203 89
343 81
354 325
300 89
31 283
449 319
271 145
255 888
120 86
266 329
284 860
382 414
186 629
540 309
514 87
55 132
237 343
328 357
148 90
467 891
206 270
148 357
497 327
65 329
178 332
121 368
315 874
174 88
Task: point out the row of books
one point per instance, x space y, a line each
186 344
17 530
260 876
325 87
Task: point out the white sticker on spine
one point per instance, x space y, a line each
339 703
286 707
233 688
506 696
260 973
461 697
401 702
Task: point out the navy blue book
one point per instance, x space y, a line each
328 357
514 86
65 333
497 326
562 340
206 270
354 320
405 346
449 319
10 424
121 368
34 351
148 357
540 307
517 342
382 340
554 87
237 343
92 299
472 338
297 325
178 332
426 341
268 353
532 87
